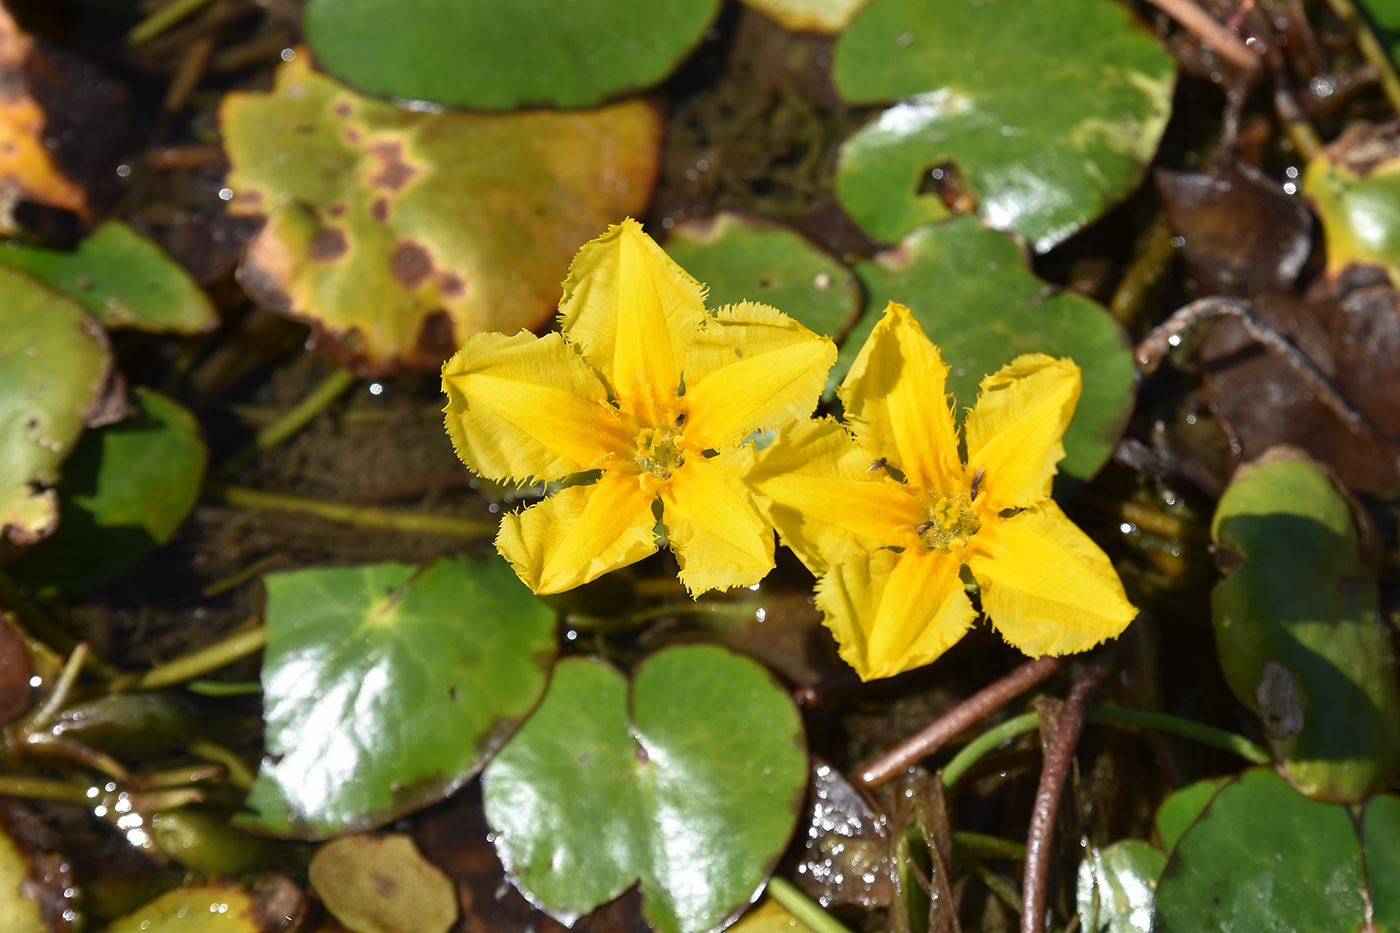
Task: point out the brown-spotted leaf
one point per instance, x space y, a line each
399 233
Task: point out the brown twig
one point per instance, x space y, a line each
1047 797
1204 27
1155 346
980 704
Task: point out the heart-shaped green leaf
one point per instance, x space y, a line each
385 688
744 259
1181 809
692 783
972 292
125 489
1116 885
123 279
400 233
1380 836
54 363
1048 109
1297 626
488 54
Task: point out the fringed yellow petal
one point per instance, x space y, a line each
525 406
1047 588
751 367
896 404
819 489
1013 435
892 612
632 311
719 537
580 533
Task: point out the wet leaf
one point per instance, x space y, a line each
126 488
1297 626
484 54
829 16
123 279
399 233
1045 140
1264 857
1181 809
745 259
692 783
18 913
1354 184
848 855
54 363
971 291
381 884
1116 884
273 906
369 669
769 917
1380 836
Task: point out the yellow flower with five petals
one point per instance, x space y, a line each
887 513
657 394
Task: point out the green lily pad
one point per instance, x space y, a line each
971 290
54 364
383 884
1116 885
692 782
125 490
385 688
1181 809
1298 630
1380 836
1050 111
399 233
485 54
1354 185
122 278
1264 857
18 913
744 259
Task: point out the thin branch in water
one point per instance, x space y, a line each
1047 796
1204 27
1370 48
965 714
361 516
209 658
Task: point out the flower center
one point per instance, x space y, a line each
657 451
949 520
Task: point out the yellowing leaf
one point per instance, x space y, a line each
398 234
828 16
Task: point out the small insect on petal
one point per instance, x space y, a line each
878 464
977 483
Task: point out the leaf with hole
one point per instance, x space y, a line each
386 687
690 781
994 104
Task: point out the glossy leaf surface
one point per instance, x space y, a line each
1354 184
1116 885
1184 807
123 279
970 290
691 782
1297 625
486 54
399 233
125 490
54 362
386 688
1045 140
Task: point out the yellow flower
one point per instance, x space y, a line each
654 392
891 553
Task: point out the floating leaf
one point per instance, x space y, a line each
972 292
1380 836
1297 626
221 908
1046 138
386 688
399 233
381 884
1264 857
1116 884
486 54
692 782
744 259
125 490
829 16
18 913
54 363
1354 184
123 279
1181 809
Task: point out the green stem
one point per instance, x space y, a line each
234 648
1186 728
803 907
736 609
241 497
67 678
162 19
239 774
1370 48
331 388
37 623
974 751
989 846
40 789
998 886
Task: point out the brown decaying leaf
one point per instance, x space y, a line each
848 854
15 671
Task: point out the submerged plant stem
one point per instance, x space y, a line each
331 388
361 516
41 789
803 907
236 647
162 19
239 774
1370 48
